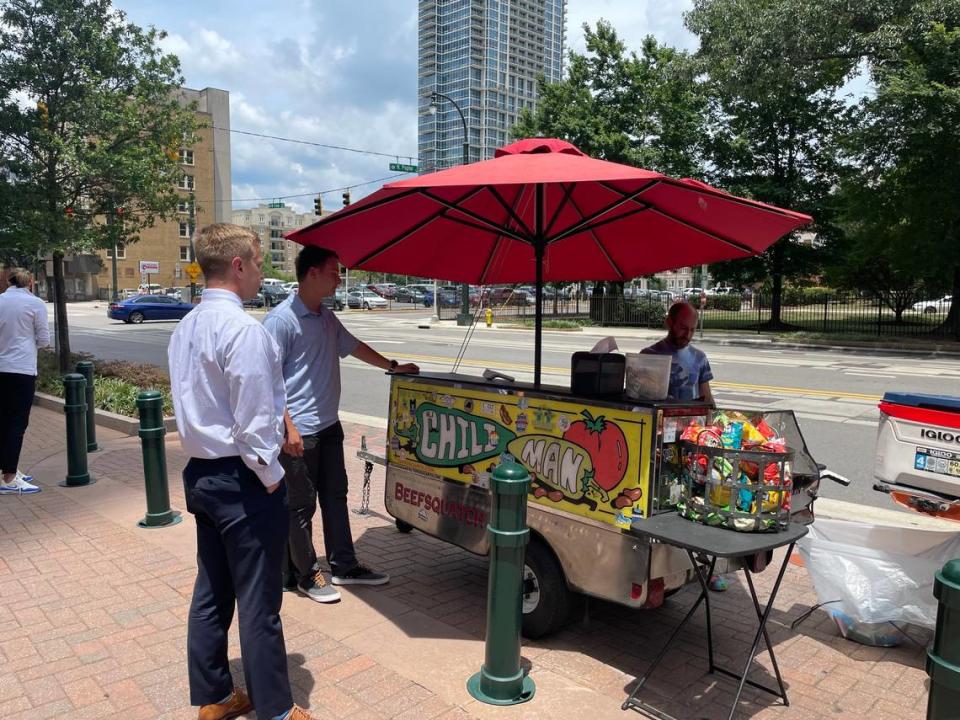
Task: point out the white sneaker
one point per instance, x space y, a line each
25 478
18 486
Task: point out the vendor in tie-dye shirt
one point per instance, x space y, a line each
690 372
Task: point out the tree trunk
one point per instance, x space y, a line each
951 325
60 312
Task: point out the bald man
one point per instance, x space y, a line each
690 372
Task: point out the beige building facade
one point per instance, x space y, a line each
204 183
271 222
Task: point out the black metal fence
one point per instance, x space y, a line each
826 313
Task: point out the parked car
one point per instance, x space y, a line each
151 289
385 290
292 287
940 305
273 294
129 293
366 300
148 307
337 301
256 301
409 295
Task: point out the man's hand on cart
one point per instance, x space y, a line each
406 369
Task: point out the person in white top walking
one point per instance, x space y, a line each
23 329
228 396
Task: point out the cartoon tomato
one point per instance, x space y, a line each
606 444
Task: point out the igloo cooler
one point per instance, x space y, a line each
918 443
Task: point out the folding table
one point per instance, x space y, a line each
710 543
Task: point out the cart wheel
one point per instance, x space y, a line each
546 598
404 527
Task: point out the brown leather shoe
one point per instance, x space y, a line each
299 713
238 704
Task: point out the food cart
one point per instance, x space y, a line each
542 211
589 460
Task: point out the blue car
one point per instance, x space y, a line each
148 307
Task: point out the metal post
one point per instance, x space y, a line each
85 368
75 408
159 514
501 680
193 258
943 659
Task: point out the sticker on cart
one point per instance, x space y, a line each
670 429
447 401
563 423
488 408
521 422
935 460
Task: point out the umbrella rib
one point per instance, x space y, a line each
567 192
496 242
474 216
511 211
596 239
586 222
403 236
709 233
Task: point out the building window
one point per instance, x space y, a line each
184 206
186 156
186 230
186 182
185 252
121 253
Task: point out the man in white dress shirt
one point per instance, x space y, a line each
229 400
23 329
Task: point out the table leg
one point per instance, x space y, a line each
766 637
760 633
631 700
705 594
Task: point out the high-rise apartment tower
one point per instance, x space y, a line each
486 56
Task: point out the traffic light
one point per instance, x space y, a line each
346 198
318 205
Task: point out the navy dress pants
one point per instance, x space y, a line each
241 535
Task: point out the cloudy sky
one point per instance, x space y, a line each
332 72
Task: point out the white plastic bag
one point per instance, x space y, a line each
880 573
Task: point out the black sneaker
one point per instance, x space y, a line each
361 575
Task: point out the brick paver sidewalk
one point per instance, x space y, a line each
93 621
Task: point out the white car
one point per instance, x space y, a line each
291 287
366 300
941 305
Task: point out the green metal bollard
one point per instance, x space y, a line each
159 514
85 368
501 680
75 409
943 659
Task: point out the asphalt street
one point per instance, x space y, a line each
834 393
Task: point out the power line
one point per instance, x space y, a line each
316 144
319 192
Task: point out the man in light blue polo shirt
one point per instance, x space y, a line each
312 341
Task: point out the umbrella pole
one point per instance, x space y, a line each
538 251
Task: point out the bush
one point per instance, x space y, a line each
639 313
807 296
724 302
116 384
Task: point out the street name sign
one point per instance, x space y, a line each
397 167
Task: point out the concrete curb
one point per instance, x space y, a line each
113 421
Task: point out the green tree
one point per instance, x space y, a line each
90 121
903 195
645 110
773 70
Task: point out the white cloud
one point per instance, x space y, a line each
334 73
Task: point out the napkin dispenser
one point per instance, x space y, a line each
597 375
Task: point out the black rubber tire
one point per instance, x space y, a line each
929 310
553 609
366 306
136 317
403 527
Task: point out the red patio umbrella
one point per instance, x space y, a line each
542 211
